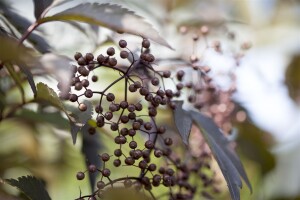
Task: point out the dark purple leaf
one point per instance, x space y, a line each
21 24
90 148
111 16
33 188
227 159
40 6
78 119
183 121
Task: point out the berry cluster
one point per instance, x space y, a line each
131 122
202 93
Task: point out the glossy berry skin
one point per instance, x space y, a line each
110 51
149 144
117 162
73 97
92 168
101 59
110 97
122 43
146 43
106 172
105 157
77 55
124 54
129 161
80 176
88 93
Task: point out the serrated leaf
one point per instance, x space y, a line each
59 67
78 118
31 187
227 159
183 121
111 16
47 94
40 6
90 147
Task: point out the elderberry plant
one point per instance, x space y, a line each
147 156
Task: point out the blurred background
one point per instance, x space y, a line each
266 80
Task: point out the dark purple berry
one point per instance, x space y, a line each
117 162
166 74
88 93
155 81
101 59
129 161
110 51
108 115
133 144
146 43
92 168
105 157
85 83
110 97
89 57
80 176
118 152
124 54
94 78
122 43
81 61
106 172
73 97
149 144
112 62
77 55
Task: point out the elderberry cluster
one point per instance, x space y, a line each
202 93
133 121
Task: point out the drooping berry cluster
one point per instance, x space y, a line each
133 121
203 93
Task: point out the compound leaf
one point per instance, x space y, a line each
90 148
183 121
227 159
47 94
111 16
33 188
78 118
